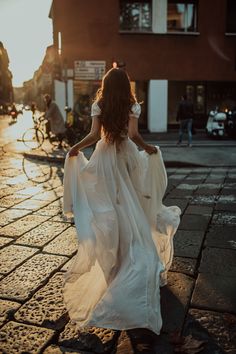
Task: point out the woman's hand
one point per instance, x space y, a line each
73 151
151 149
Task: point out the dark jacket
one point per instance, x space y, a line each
185 110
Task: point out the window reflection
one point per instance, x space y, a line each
182 16
135 15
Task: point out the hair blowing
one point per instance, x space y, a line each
115 99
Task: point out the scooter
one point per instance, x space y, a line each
216 123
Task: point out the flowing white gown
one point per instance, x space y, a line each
125 236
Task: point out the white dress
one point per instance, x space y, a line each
125 236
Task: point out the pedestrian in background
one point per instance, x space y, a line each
125 232
185 117
55 119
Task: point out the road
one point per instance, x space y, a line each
37 245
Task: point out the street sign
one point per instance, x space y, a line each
89 70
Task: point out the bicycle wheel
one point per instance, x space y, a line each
33 138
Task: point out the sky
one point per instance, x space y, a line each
25 31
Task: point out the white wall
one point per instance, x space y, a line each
157 105
159 16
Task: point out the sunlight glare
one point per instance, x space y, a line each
26 31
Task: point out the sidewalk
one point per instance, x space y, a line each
204 153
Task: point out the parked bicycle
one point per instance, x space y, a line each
34 138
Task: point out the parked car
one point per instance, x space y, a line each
216 123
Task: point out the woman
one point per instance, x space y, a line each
125 233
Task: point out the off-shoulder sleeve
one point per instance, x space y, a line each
95 110
136 110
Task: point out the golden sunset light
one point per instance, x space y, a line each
25 31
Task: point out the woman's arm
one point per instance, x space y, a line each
136 137
90 139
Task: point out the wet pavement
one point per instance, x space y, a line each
37 245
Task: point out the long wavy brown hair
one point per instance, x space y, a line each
115 99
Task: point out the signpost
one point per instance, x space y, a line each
89 70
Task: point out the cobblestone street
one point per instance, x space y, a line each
37 245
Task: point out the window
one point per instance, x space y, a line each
136 16
231 16
182 16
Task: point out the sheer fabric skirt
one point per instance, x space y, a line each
125 237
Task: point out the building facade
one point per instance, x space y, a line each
169 48
6 89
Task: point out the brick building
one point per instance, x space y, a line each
169 48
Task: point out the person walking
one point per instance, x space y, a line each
185 116
55 119
125 233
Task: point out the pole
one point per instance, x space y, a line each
65 80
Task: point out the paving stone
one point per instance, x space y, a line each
6 190
178 176
217 329
32 190
32 204
181 203
18 338
194 222
42 234
221 237
11 200
67 265
46 308
12 256
23 225
27 278
206 191
181 193
184 265
17 180
97 340
52 209
224 218
188 243
65 244
196 178
53 349
47 195
175 298
215 292
139 340
7 308
210 186
185 186
204 199
124 345
218 261
225 207
11 215
229 193
5 240
61 218
199 210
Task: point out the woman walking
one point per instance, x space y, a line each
125 232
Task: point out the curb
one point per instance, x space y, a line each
179 164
